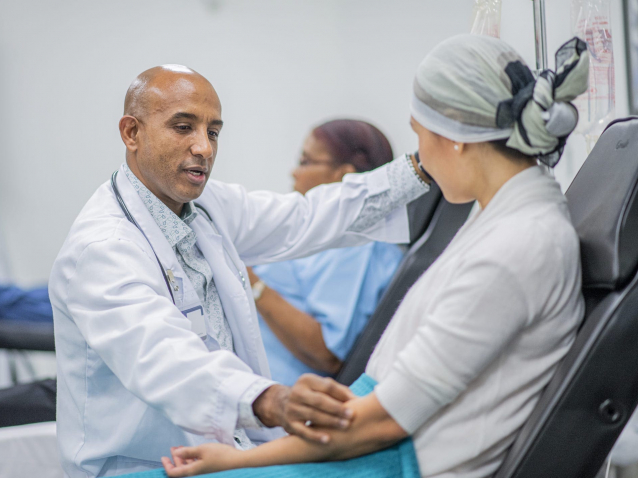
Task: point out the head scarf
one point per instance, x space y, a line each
473 89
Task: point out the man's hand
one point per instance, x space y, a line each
313 400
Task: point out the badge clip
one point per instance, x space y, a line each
171 279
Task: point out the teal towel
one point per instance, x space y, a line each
398 461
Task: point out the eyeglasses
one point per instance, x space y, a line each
306 161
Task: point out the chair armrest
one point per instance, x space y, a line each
20 335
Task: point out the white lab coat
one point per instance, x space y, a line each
133 379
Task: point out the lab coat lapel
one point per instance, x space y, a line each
154 234
236 301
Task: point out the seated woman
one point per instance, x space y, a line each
312 310
476 339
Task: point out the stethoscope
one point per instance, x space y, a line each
130 217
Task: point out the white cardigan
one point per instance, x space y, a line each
479 335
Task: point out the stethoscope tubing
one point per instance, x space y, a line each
130 217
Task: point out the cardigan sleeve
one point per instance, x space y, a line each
485 307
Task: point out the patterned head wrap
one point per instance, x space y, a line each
473 89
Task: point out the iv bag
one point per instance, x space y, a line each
486 19
596 107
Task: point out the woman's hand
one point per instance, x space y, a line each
195 460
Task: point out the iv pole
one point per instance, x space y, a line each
540 35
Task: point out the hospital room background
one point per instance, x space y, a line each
279 66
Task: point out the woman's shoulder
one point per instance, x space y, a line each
541 237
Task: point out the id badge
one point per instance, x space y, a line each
197 319
190 307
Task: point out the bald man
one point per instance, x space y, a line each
156 331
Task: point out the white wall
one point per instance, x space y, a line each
279 66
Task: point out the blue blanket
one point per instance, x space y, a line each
398 461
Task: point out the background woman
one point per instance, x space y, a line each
313 309
479 335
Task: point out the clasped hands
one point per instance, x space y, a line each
311 401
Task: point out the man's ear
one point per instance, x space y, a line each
129 128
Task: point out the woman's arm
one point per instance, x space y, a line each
298 331
372 429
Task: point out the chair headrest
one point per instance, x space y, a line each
421 210
604 210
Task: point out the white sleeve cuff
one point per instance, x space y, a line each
405 183
246 417
401 185
405 402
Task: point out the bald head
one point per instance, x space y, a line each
147 91
171 124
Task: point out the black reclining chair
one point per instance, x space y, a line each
17 335
29 402
421 211
595 389
428 239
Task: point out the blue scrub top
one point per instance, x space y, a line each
340 288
